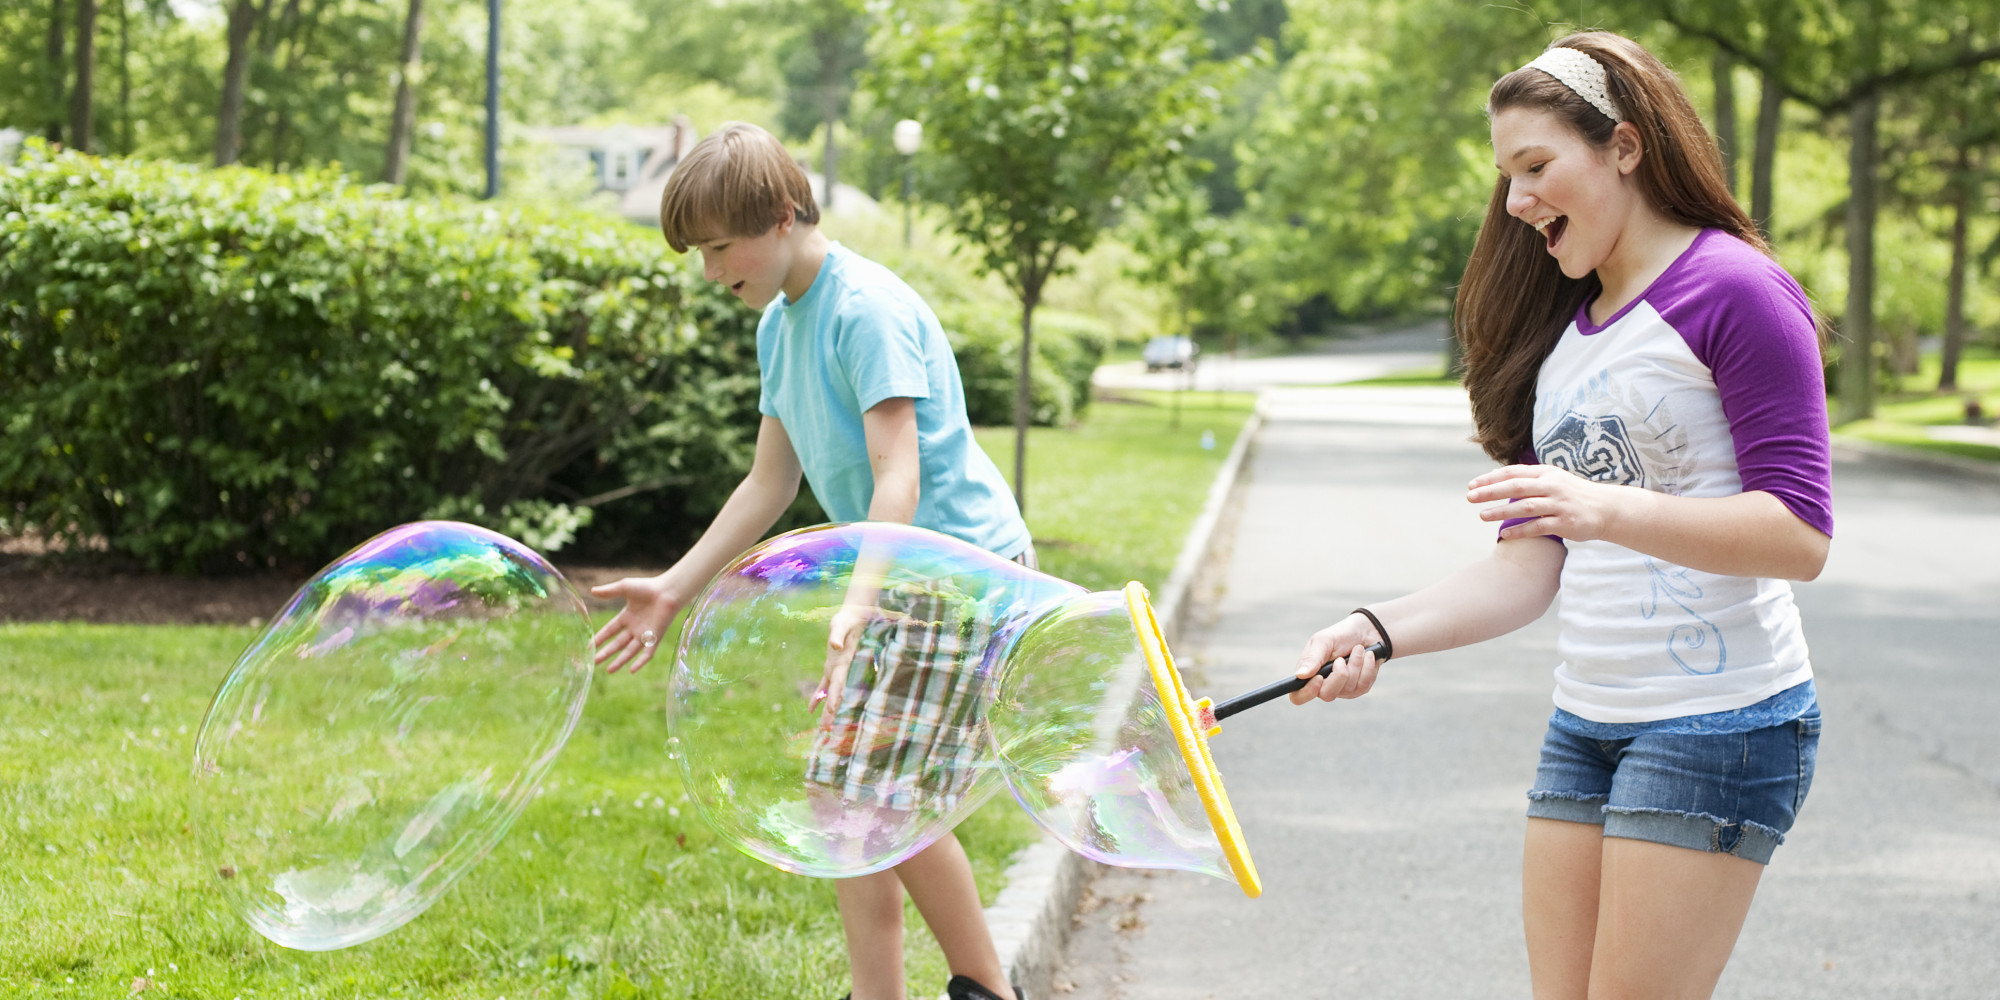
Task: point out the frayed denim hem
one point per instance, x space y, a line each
1695 831
1571 807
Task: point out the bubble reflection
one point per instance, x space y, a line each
381 734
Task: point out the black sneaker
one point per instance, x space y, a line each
968 988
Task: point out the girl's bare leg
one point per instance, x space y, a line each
871 912
1615 919
1667 919
1559 890
939 879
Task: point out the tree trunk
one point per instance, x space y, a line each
125 77
1031 296
298 42
229 120
1764 158
81 127
57 71
1954 294
405 119
1724 68
1857 356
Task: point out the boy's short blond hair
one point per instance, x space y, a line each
736 182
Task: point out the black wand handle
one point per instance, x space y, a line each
1284 687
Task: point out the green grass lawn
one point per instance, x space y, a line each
1109 500
1413 377
609 884
1901 417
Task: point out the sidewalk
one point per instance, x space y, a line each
1388 829
1418 348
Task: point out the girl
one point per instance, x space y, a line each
1655 378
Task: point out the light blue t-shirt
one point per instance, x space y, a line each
858 336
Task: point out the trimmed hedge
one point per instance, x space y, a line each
214 368
209 369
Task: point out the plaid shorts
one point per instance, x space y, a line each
906 730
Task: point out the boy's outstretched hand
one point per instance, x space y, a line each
843 640
630 638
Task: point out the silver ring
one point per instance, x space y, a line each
647 639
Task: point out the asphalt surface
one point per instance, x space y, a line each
1414 349
1388 830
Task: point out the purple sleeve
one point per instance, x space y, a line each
1754 330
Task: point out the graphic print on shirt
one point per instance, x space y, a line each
1610 433
1595 448
1696 646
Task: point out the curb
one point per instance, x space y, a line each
1855 449
1030 919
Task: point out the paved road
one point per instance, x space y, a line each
1388 830
1416 348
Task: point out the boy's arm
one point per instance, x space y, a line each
894 458
891 427
652 602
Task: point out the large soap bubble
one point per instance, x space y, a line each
902 753
381 734
1101 743
973 669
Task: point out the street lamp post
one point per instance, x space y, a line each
492 98
909 135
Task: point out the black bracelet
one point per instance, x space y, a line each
1388 648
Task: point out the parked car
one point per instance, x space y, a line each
1177 353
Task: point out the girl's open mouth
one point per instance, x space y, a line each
1552 230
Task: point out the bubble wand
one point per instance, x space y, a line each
1212 714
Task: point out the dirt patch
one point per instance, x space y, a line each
32 589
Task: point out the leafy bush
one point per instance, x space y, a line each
207 369
988 346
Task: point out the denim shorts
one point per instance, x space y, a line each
1728 793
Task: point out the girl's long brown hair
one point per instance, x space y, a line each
1514 301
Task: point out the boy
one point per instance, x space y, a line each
862 396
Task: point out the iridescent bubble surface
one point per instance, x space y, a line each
902 753
382 733
1085 744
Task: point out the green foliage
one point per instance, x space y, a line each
608 885
988 347
1042 116
215 368
1370 169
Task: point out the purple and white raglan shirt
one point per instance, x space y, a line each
1707 385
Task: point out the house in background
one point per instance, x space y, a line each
633 163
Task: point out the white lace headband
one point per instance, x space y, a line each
1576 70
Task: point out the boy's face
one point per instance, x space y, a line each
753 268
